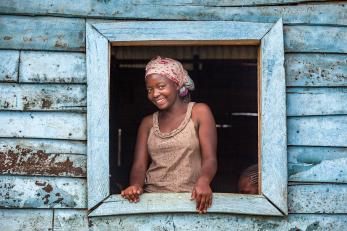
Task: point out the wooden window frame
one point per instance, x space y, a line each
272 141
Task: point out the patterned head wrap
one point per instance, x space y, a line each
252 173
173 70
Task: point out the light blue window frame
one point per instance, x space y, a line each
271 107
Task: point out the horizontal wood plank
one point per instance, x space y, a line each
317 164
54 125
181 31
315 13
316 70
219 222
316 101
315 39
181 202
42 192
43 145
71 219
320 198
69 34
52 67
26 219
43 97
317 131
42 33
9 63
27 162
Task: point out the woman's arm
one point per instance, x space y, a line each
139 167
207 133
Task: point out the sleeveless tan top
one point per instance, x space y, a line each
175 155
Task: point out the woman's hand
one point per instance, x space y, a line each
202 193
132 193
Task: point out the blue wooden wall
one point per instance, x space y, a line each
43 112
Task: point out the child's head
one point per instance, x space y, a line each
172 70
248 182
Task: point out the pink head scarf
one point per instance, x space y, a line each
173 70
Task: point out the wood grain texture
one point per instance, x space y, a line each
316 70
317 164
219 222
9 62
70 219
26 219
55 125
98 92
52 67
315 39
318 131
42 192
182 30
320 198
315 13
316 101
273 146
43 97
42 33
181 202
44 145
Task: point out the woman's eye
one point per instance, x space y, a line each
161 87
149 90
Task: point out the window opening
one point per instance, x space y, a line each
225 79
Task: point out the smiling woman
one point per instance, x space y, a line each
225 78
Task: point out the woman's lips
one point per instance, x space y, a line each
159 101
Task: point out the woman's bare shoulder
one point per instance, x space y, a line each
201 112
147 122
201 108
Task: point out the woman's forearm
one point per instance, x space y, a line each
208 170
137 176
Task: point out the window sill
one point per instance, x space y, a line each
180 202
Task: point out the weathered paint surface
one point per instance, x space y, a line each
70 219
317 198
191 222
41 33
52 67
42 192
43 97
316 70
181 202
9 62
315 39
25 161
317 130
48 146
192 30
98 116
26 219
317 164
316 101
272 145
296 38
306 164
55 125
328 13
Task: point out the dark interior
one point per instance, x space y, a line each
228 86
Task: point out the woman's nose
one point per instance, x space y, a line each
155 93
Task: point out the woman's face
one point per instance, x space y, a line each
161 91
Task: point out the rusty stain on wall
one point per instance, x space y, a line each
28 162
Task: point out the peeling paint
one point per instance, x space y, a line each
29 162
